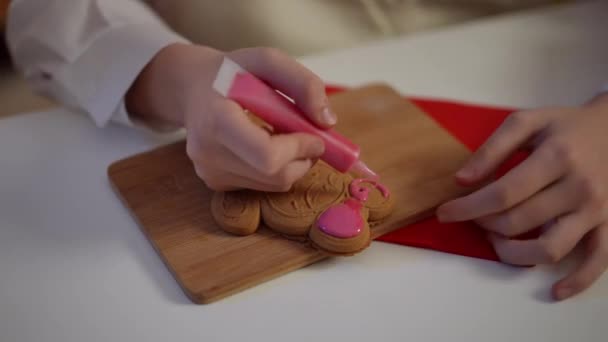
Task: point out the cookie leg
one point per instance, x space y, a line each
332 245
236 212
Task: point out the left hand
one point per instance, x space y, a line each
562 186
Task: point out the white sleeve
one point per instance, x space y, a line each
85 54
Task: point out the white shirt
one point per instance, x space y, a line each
85 54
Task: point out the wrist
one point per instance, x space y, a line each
142 99
159 94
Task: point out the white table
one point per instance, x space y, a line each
75 267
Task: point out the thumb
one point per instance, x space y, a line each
297 146
291 78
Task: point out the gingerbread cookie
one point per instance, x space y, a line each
237 212
292 213
332 211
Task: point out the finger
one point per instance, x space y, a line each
267 154
281 181
556 242
296 146
223 160
227 181
291 78
532 175
285 179
555 201
590 270
517 129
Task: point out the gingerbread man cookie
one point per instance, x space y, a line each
332 211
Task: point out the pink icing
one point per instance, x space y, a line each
344 220
361 192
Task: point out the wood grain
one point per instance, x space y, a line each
414 155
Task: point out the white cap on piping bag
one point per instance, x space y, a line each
225 76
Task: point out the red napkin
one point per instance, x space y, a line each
472 125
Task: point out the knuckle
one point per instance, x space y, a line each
192 150
284 181
214 187
314 93
211 180
268 163
283 186
202 157
551 251
212 120
270 53
483 153
506 225
580 282
314 85
592 194
563 153
501 197
218 122
518 120
214 184
202 173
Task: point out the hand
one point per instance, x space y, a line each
562 187
227 149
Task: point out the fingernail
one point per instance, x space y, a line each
563 293
328 116
466 173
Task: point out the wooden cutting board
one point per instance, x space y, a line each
415 157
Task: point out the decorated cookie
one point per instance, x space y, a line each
344 228
292 213
331 210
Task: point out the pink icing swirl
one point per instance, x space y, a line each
360 192
344 220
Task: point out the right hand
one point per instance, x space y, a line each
228 150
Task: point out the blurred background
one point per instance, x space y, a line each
296 26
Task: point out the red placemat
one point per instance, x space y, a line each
472 125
